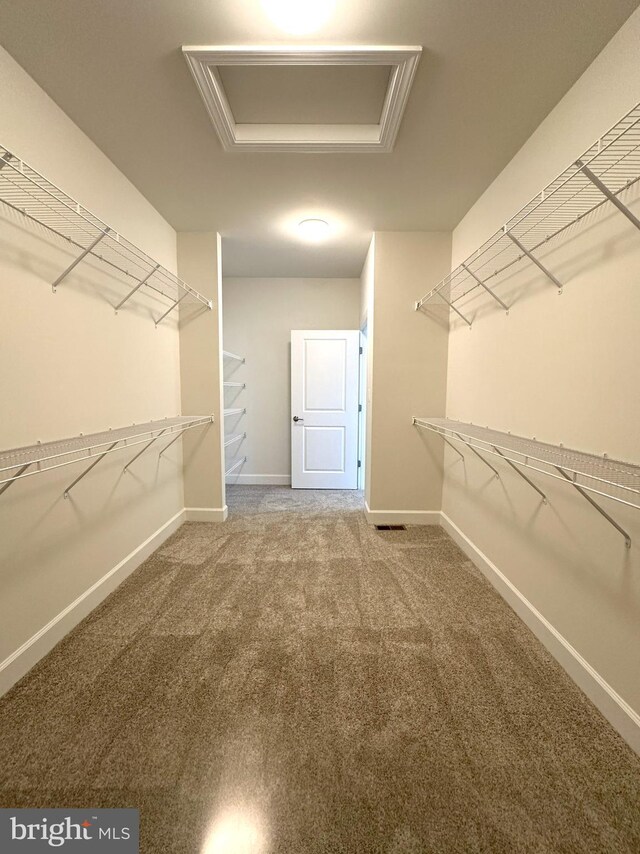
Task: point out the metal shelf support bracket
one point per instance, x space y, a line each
522 474
140 453
486 287
608 194
137 287
479 456
533 259
451 445
627 538
175 439
80 257
169 310
6 485
235 439
235 466
87 470
459 313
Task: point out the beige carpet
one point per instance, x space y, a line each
295 681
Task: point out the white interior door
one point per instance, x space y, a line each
324 409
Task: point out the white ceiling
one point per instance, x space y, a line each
489 73
342 94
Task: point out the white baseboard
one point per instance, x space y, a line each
206 514
614 708
260 480
401 517
16 665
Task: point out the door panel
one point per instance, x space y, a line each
324 449
324 375
324 400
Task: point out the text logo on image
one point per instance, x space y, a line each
30 831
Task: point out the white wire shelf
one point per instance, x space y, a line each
26 191
600 474
227 355
233 439
614 479
236 465
234 385
236 411
19 463
601 175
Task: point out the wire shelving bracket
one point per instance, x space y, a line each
26 191
587 473
236 465
19 463
232 439
602 174
227 355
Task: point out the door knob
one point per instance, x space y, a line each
296 419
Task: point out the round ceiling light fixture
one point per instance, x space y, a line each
299 17
314 230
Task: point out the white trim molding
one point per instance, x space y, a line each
401 517
313 138
605 698
18 664
259 480
206 514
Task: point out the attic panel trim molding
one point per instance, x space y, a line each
358 138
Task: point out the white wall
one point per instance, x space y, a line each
258 317
200 264
566 370
407 376
70 365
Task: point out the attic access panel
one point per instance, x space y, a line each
399 65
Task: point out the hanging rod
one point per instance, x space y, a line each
26 191
228 355
234 385
235 439
18 463
233 412
588 473
235 466
601 175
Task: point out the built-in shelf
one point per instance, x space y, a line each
19 463
26 191
236 465
600 176
588 473
232 440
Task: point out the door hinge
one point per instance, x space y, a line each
361 351
359 407
359 463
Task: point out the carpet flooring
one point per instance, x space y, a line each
295 681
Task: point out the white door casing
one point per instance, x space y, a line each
324 399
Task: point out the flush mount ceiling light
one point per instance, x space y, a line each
266 133
313 230
299 17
